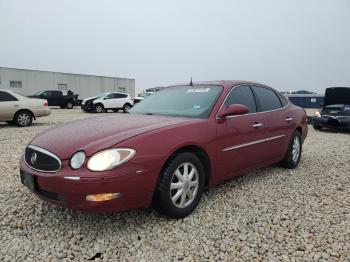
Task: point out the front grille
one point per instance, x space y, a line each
41 159
48 195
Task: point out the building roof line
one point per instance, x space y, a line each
46 71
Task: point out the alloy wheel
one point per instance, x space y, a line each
23 119
296 149
184 185
99 109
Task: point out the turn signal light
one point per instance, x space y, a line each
102 197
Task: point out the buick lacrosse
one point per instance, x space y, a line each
166 150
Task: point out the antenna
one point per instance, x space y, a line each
191 83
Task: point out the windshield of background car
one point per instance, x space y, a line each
100 95
186 101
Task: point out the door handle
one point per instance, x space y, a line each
288 119
15 105
257 125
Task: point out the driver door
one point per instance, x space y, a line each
240 146
108 100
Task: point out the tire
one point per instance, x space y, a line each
99 108
126 107
70 105
293 155
185 196
317 127
23 118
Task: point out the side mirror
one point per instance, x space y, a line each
233 110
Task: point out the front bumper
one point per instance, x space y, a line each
331 121
135 188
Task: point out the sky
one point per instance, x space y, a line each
289 45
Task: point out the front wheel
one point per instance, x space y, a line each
99 108
316 127
180 186
293 155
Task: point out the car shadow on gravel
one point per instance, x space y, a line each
13 126
335 131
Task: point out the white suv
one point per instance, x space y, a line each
113 101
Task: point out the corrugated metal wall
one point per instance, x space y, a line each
307 101
85 85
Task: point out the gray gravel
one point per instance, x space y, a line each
270 214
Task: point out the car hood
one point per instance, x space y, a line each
98 133
337 95
90 98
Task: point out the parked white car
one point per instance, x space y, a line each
112 101
21 110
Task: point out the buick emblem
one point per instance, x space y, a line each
33 158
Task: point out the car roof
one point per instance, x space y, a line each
118 93
223 83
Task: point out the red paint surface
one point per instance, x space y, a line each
155 139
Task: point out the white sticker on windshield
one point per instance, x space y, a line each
198 90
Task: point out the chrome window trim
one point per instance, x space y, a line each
252 143
41 150
232 88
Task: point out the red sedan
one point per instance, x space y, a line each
166 150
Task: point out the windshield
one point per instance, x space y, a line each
100 95
187 101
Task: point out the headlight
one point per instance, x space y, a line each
77 160
110 158
317 114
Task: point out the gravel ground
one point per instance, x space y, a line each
270 214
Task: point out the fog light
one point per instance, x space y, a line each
102 197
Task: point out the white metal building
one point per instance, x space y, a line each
29 82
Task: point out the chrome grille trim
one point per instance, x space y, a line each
41 150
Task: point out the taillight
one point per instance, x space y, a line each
46 104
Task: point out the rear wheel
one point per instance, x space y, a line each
293 155
99 108
180 186
126 107
70 105
23 118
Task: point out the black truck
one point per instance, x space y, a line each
57 98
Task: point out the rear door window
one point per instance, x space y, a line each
242 95
268 99
6 97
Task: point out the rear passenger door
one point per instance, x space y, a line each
8 106
122 100
279 123
240 138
